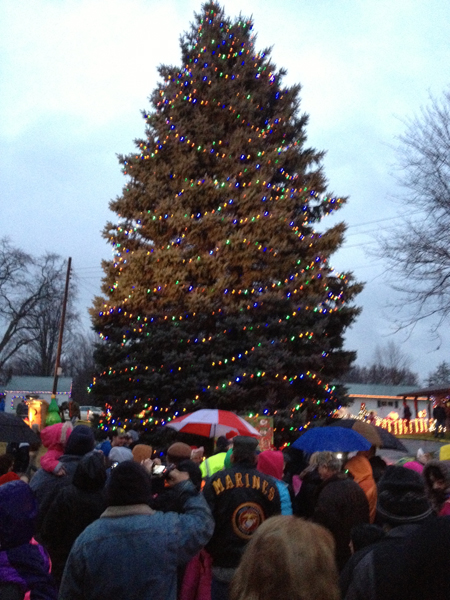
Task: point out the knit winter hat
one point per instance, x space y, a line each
245 443
178 451
129 483
132 435
142 452
81 441
120 454
18 512
401 497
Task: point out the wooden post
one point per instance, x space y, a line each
61 329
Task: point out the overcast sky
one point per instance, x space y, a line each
74 75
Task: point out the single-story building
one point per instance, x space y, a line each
385 400
27 388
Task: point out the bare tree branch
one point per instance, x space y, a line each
418 250
31 291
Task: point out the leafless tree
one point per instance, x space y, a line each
80 365
418 251
390 366
31 292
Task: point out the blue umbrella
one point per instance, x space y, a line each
333 439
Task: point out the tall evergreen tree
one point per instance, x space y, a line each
221 293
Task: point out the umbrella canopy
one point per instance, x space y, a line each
213 423
333 439
14 429
377 436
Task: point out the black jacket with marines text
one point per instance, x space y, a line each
241 498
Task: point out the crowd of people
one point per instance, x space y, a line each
112 519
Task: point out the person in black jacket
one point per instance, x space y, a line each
241 498
74 508
440 415
379 571
341 504
46 485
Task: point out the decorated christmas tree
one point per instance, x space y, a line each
220 293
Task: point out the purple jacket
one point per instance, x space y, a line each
23 562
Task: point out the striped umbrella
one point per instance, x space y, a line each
213 423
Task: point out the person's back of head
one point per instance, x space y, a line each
120 454
81 441
222 444
244 450
402 497
128 484
327 464
142 452
379 466
290 558
177 452
90 474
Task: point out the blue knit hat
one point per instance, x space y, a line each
81 441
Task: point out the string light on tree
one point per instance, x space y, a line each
220 292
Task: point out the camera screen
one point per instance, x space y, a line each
158 469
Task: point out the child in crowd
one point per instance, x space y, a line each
54 438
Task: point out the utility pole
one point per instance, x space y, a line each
61 330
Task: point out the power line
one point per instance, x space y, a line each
381 220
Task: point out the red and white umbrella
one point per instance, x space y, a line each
213 423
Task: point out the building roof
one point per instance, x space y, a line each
41 385
379 390
441 391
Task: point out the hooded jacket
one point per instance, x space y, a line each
361 471
23 562
271 462
54 437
